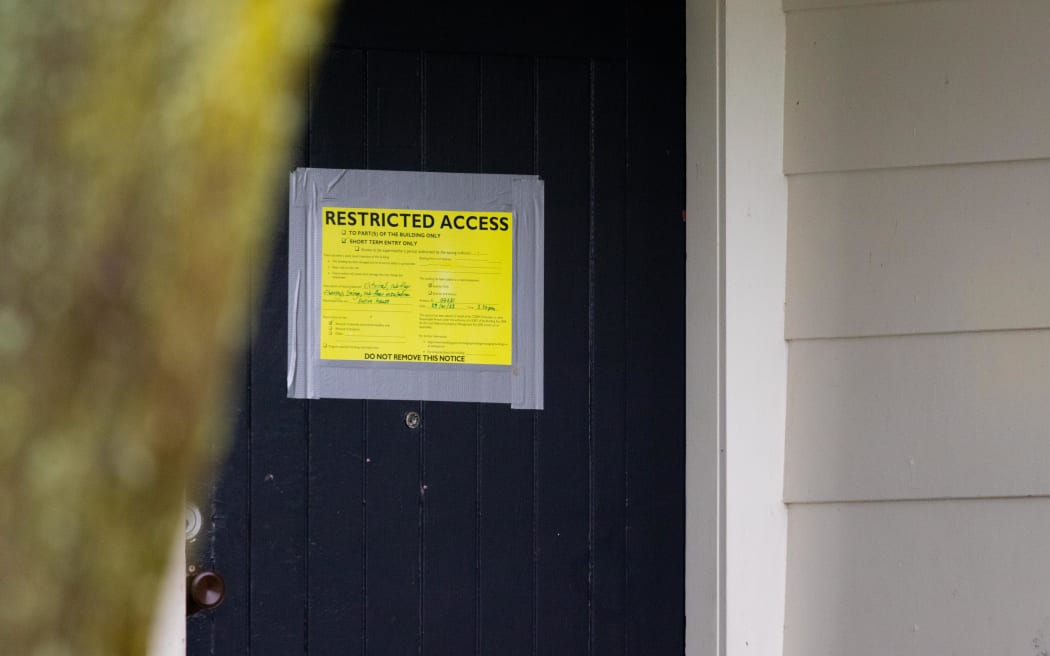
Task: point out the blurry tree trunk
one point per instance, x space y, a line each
139 144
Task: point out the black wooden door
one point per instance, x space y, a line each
340 529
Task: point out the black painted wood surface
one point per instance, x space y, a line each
340 529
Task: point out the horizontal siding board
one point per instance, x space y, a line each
800 5
917 83
915 579
934 416
922 250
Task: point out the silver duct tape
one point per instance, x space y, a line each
519 383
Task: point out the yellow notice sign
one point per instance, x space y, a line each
414 285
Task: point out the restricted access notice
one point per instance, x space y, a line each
414 285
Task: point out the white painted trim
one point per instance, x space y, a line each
736 357
705 323
756 352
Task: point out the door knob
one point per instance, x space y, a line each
204 591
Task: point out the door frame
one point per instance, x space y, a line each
705 328
736 356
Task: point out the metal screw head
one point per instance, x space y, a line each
412 419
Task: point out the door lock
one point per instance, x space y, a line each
204 591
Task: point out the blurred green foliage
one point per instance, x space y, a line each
139 143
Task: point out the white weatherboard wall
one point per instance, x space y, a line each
917 454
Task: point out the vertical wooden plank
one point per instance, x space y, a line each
229 524
394 490
277 464
562 474
393 482
656 330
393 88
452 113
335 512
449 610
449 556
335 578
607 324
505 503
337 110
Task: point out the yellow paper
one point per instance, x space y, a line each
416 285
